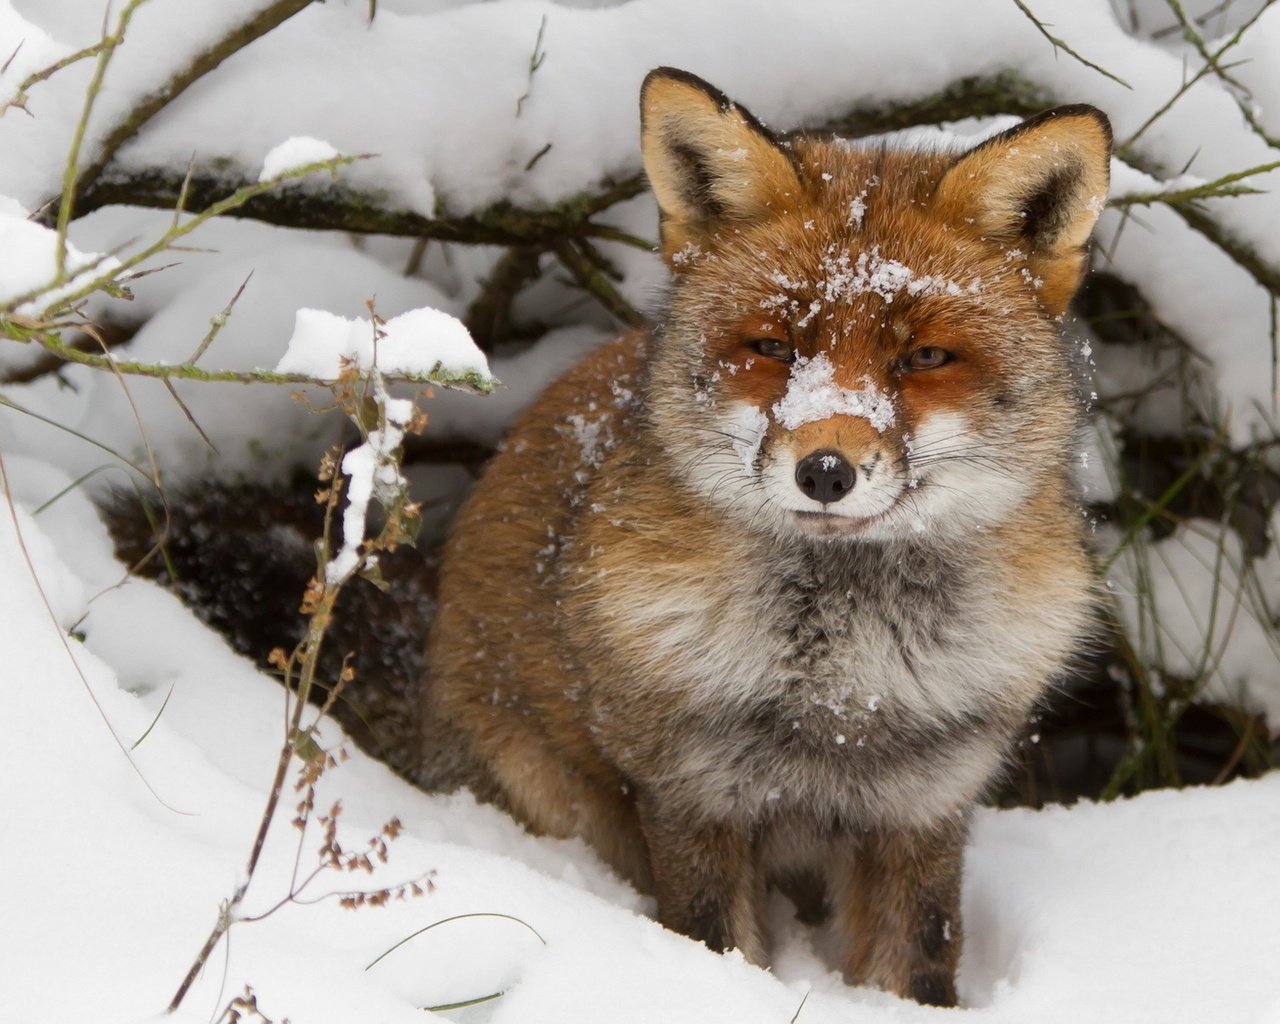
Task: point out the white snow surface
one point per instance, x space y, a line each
1159 909
457 124
295 152
29 262
418 341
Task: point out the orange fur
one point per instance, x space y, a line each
730 639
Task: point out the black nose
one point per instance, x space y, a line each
825 476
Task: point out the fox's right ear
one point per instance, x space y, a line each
709 161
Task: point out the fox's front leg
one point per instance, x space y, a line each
898 905
706 877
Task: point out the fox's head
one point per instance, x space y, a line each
862 340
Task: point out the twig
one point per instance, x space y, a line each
340 208
1213 63
535 62
219 321
108 336
262 22
593 280
533 160
69 174
1059 44
488 317
20 97
1216 189
66 646
299 742
469 381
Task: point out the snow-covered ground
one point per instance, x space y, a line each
1158 909
114 861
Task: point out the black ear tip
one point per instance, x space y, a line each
1086 110
1071 110
669 74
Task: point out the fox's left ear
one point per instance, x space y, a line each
711 164
1038 187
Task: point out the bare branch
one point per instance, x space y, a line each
576 259
1058 44
235 40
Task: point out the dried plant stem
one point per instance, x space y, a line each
310 652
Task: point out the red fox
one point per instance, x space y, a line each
771 589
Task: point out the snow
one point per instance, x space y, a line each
1158 909
748 429
293 153
419 341
812 395
29 262
371 471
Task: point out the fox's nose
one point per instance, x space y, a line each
825 476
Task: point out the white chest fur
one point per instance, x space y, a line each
857 684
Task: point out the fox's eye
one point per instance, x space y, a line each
772 348
930 357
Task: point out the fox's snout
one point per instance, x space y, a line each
826 476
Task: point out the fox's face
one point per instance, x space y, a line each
861 341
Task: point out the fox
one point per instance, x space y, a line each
769 591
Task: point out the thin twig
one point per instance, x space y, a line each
1211 65
1216 189
593 280
35 78
219 321
535 62
186 411
1059 44
240 36
1213 62
70 173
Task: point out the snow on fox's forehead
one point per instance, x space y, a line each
813 394
843 275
